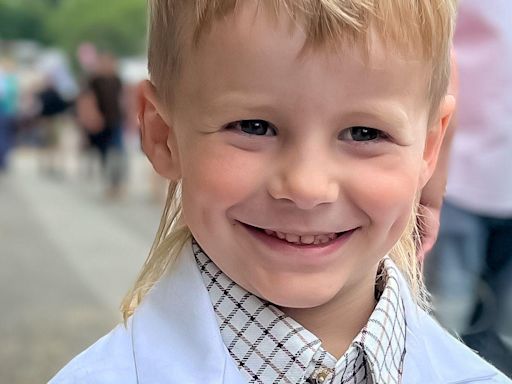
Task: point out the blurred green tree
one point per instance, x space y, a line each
23 19
114 25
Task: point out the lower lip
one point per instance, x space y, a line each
308 252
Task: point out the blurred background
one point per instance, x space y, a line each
79 203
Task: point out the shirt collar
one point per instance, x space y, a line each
383 338
269 346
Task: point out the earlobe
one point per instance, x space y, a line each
157 135
435 136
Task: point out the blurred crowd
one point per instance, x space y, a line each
42 100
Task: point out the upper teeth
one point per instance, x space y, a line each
302 239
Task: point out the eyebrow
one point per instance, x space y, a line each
242 100
389 113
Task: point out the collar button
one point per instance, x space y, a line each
319 376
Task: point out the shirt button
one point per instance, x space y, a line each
319 376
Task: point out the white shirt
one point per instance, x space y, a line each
174 338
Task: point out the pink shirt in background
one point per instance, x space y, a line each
480 173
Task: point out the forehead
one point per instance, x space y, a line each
251 47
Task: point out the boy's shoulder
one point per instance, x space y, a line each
108 360
172 337
433 355
446 358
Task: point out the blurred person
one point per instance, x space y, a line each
469 271
52 107
101 113
9 98
286 249
54 64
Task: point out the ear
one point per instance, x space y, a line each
157 135
434 139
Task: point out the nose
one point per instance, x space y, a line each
307 181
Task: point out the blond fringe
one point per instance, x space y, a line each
419 27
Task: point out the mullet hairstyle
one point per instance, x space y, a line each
417 28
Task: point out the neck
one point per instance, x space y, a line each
337 322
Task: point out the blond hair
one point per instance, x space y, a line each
422 28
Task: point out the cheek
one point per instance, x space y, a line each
221 176
389 197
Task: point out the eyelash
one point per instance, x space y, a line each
239 126
380 135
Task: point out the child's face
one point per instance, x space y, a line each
317 145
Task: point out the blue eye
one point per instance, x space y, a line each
253 127
361 134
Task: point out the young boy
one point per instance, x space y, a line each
296 136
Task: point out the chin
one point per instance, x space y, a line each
298 298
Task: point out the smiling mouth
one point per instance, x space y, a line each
300 239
